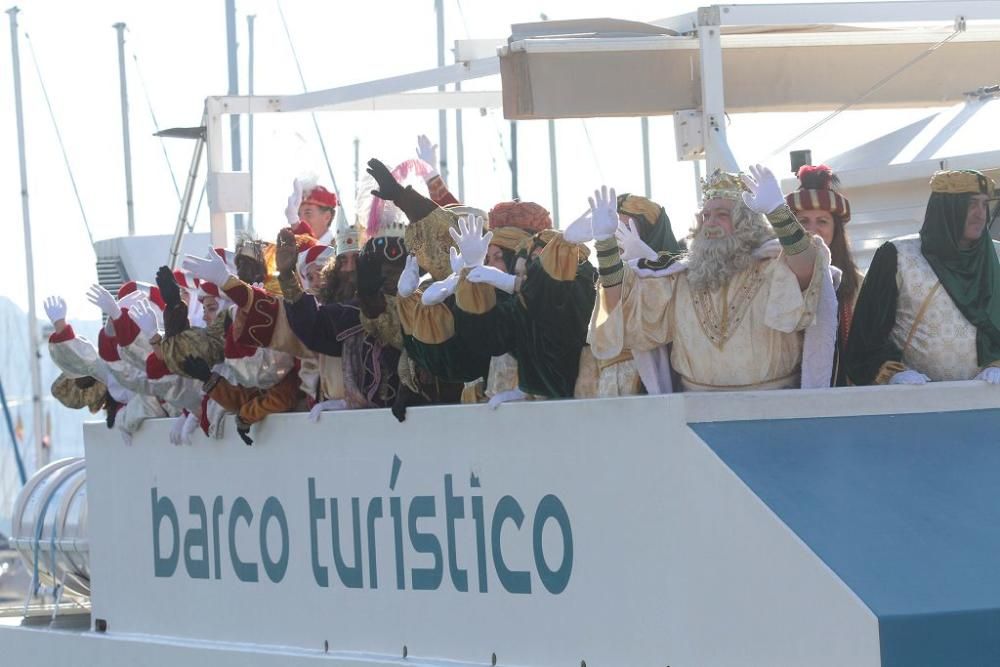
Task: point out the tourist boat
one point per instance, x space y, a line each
853 526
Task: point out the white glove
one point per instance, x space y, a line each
989 374
177 429
213 269
580 230
437 292
633 247
492 276
604 211
765 194
130 299
909 377
144 317
326 406
427 152
506 397
190 426
767 249
456 261
409 279
471 241
55 308
294 201
103 299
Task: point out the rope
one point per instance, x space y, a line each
305 89
878 85
156 126
62 147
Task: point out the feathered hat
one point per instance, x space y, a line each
817 192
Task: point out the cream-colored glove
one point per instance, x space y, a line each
632 245
471 241
764 193
604 211
409 279
493 276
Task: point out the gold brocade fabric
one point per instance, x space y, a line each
943 346
429 240
560 258
70 393
386 326
428 324
475 298
720 322
194 342
765 344
502 376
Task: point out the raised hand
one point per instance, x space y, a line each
764 193
427 151
604 211
55 309
169 289
409 279
580 230
455 260
470 240
287 253
388 187
144 316
213 269
492 276
294 202
439 291
103 299
632 245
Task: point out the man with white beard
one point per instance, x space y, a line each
735 307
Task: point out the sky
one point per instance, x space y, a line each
176 56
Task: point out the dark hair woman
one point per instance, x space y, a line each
825 212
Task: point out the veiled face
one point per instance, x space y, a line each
976 217
818 223
716 218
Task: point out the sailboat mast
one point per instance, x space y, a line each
126 142
41 453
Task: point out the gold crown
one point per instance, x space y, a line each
722 185
962 181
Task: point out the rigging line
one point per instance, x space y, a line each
62 147
465 23
593 152
305 89
878 85
156 125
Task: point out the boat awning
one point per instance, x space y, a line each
594 69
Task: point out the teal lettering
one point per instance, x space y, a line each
163 508
217 510
317 511
245 571
397 530
454 508
350 576
477 517
197 538
275 569
555 581
374 512
513 580
429 578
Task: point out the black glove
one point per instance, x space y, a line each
388 187
169 289
197 368
369 275
111 408
243 430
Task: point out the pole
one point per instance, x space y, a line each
41 454
513 160
357 165
13 436
460 149
250 19
126 142
234 89
554 173
199 147
647 179
442 114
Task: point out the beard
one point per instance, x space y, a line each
715 261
